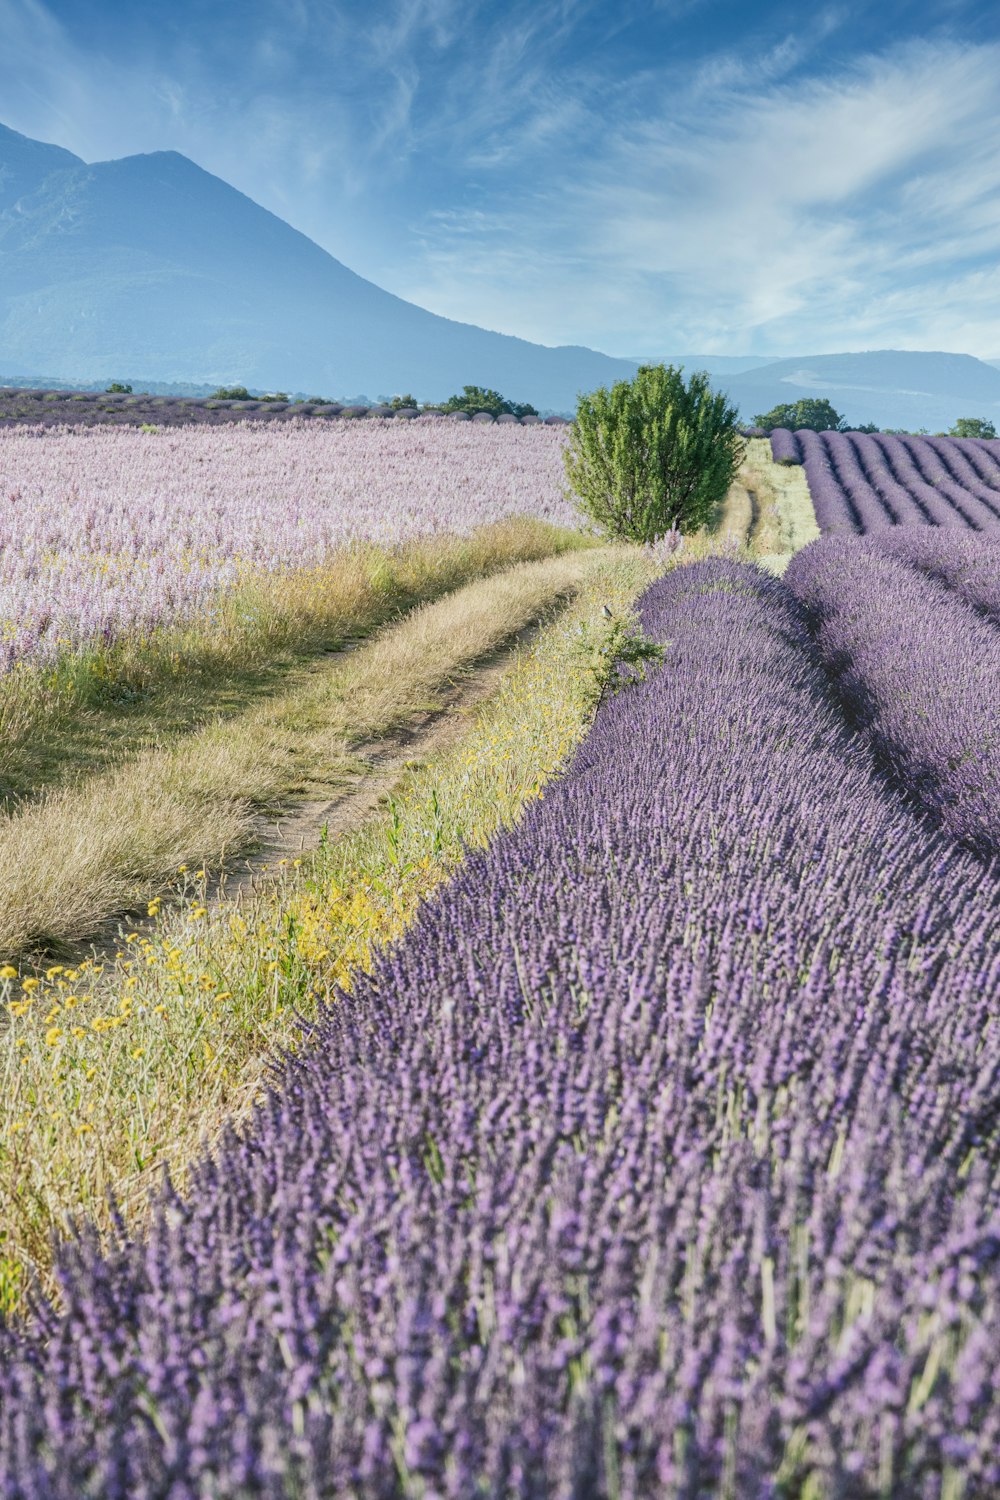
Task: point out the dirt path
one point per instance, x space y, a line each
297 829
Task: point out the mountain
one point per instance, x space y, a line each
151 270
151 267
892 387
712 364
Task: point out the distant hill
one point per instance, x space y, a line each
151 267
152 271
712 364
894 388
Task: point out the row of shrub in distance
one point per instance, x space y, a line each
88 408
918 671
660 1158
862 482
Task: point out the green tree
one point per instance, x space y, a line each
475 398
818 415
400 403
116 388
652 453
973 427
231 393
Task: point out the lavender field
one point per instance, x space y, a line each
108 530
662 1157
862 482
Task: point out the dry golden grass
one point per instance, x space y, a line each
93 707
80 853
786 520
110 1075
768 512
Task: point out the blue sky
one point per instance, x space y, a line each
644 178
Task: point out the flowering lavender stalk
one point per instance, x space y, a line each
661 1157
917 670
966 562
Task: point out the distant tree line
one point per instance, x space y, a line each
818 415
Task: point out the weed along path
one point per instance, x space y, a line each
84 852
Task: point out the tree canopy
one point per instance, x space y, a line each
652 454
973 427
810 412
475 398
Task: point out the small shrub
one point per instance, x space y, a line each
653 454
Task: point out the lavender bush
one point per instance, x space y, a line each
862 482
967 563
917 669
660 1159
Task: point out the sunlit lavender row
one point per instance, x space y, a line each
917 669
660 1159
968 563
861 482
105 530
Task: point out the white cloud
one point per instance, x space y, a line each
453 154
783 217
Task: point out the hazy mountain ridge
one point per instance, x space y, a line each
892 387
150 270
151 265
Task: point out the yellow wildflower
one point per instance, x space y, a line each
53 1036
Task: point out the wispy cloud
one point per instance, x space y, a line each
782 216
633 176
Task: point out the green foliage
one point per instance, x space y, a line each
810 412
231 393
653 454
973 427
401 403
867 427
618 642
117 389
474 398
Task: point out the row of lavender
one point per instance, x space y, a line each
905 624
44 408
109 530
660 1159
862 482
